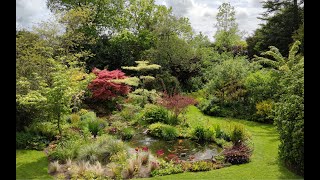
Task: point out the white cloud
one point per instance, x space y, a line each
255 3
202 13
30 12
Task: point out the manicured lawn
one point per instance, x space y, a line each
31 165
264 162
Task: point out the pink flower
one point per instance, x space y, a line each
160 152
145 148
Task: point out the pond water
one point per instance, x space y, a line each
179 149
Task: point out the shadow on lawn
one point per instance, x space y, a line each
285 173
33 170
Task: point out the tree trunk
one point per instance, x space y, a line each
295 15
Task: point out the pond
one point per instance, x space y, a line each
179 149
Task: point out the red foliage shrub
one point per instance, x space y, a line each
237 154
103 88
177 103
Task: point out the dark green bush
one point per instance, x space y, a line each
169 132
130 112
221 133
46 129
210 107
261 85
90 121
127 133
88 116
153 114
94 127
200 133
27 140
238 134
22 139
163 131
172 119
166 82
225 89
289 118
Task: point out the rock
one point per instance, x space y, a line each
213 160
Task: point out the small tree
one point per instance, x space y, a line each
64 87
59 98
227 34
176 103
142 68
103 87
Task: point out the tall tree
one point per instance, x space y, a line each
226 19
108 15
283 19
227 34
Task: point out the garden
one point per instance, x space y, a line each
153 99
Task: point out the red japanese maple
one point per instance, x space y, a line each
103 88
177 102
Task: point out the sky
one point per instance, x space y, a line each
201 13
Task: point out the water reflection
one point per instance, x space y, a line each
183 149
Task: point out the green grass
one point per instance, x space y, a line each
264 161
31 164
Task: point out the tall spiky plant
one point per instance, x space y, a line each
279 62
